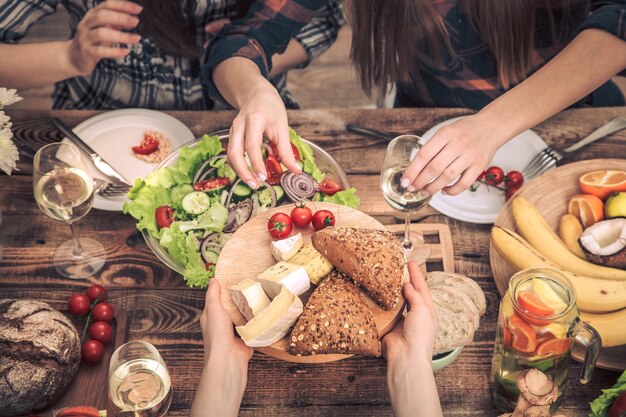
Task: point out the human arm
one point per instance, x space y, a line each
225 372
467 146
43 63
408 349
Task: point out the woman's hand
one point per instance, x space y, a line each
100 32
463 148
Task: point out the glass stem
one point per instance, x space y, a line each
406 244
77 250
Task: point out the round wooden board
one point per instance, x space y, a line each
551 192
247 254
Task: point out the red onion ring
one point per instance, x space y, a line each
298 186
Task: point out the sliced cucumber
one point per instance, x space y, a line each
226 171
265 197
280 194
241 191
210 256
178 192
216 191
196 202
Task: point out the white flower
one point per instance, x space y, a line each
5 121
8 151
8 97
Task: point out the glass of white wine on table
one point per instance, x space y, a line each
400 152
139 383
64 191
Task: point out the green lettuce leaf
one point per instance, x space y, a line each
346 198
195 273
144 201
600 406
189 159
214 219
306 155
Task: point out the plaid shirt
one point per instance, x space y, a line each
468 77
147 77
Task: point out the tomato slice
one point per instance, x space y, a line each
164 216
274 170
523 337
553 347
533 305
329 187
296 153
211 184
148 145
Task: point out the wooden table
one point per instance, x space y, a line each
163 311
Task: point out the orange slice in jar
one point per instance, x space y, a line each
602 183
553 347
532 304
507 336
523 337
587 207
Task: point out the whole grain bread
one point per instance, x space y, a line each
460 282
457 321
335 320
371 258
39 355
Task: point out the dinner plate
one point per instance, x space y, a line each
550 192
248 253
483 205
112 134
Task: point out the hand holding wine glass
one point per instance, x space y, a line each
64 191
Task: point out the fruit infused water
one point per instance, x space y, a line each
537 325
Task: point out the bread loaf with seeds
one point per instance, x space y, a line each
371 258
335 320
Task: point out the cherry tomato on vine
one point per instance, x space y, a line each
78 304
494 175
510 192
514 179
164 216
301 215
280 225
322 219
101 331
96 292
329 187
103 312
92 351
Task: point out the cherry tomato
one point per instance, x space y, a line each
296 153
322 219
280 225
510 192
494 175
274 170
164 216
481 176
101 331
96 292
78 304
301 216
513 179
211 184
618 409
329 187
103 312
148 145
92 351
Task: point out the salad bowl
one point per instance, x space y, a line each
323 161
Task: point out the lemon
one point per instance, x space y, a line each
615 206
548 296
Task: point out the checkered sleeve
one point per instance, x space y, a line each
264 31
609 16
16 17
321 31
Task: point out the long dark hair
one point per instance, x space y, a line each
171 29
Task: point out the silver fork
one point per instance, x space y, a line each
107 189
548 157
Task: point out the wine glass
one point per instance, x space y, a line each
139 383
64 190
400 152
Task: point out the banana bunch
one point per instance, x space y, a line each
600 291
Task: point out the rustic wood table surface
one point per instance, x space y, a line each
163 311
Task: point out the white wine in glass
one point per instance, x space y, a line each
64 191
139 383
400 152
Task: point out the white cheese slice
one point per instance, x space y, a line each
273 323
285 249
249 297
294 277
317 267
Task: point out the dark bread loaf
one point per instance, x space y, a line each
39 355
335 320
372 258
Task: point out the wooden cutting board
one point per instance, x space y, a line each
437 236
248 253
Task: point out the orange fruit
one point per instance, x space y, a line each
587 207
523 337
602 183
553 347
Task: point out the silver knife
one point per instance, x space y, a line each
103 166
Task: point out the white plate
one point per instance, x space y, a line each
114 133
483 205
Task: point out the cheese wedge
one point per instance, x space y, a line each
273 323
317 267
285 249
292 276
249 297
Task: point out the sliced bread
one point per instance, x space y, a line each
335 320
371 258
460 282
456 319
